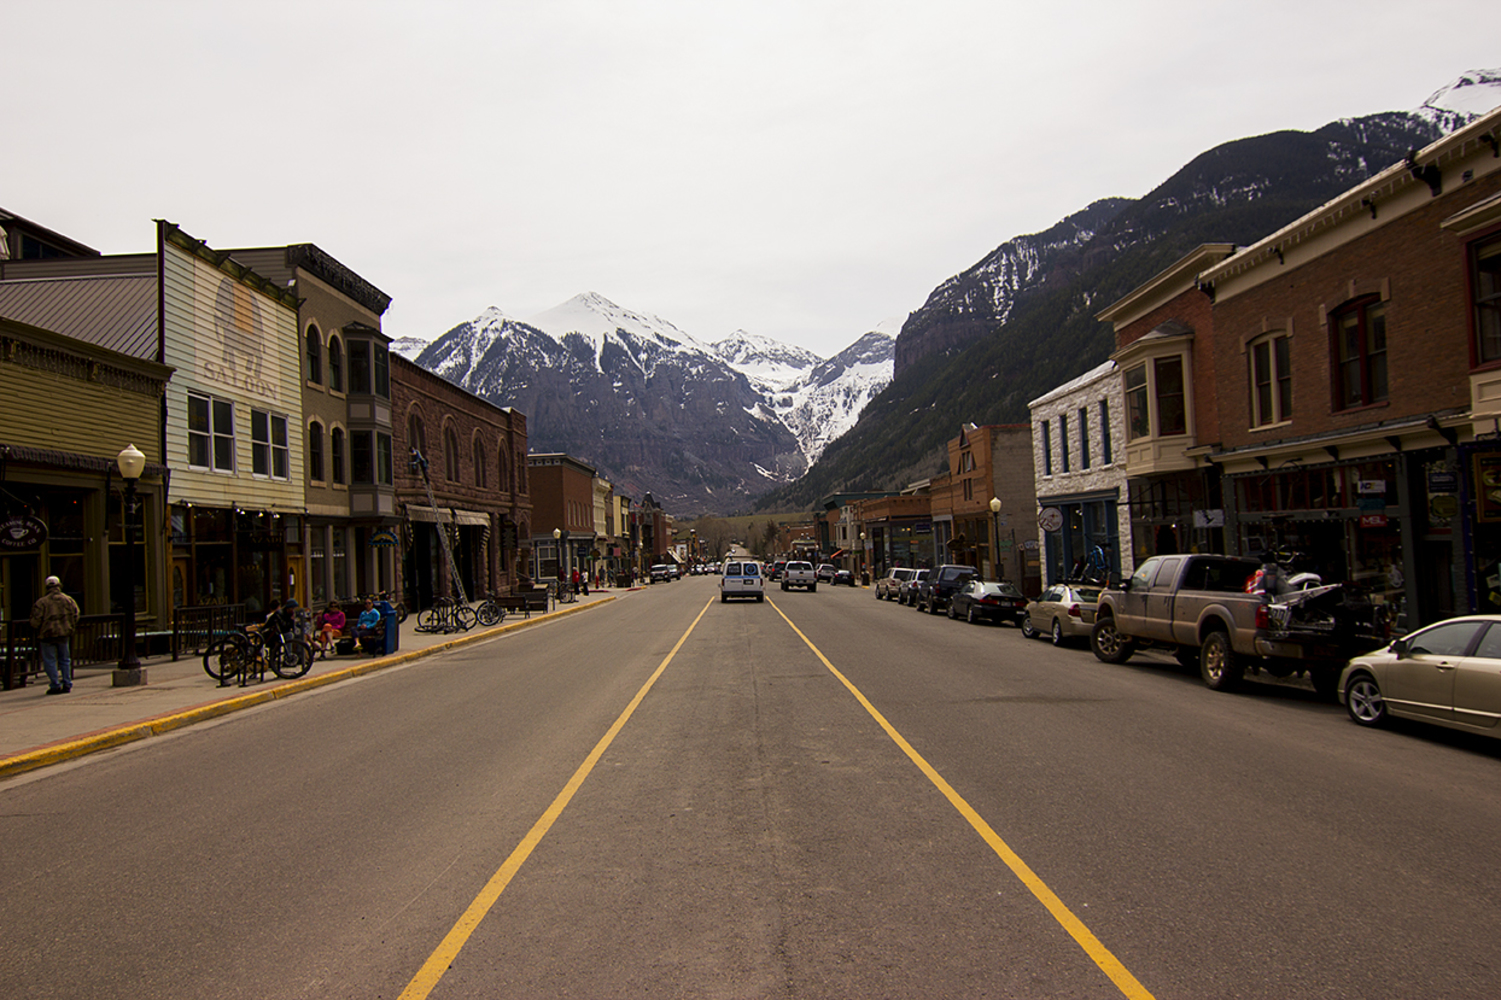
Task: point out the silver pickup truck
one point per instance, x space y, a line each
1213 612
799 574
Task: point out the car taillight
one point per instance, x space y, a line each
1074 612
1263 616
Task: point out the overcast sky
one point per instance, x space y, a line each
802 170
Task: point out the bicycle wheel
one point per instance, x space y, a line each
490 613
464 617
430 619
401 612
224 656
295 660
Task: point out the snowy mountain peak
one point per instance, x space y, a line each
1473 94
595 317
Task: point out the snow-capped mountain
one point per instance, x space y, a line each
409 347
703 427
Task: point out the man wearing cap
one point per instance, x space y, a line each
54 617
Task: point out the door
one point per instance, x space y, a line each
1422 682
1477 683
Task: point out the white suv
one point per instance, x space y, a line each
742 578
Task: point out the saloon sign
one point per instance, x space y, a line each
22 531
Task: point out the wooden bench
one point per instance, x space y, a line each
525 601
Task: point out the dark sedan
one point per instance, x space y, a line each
992 602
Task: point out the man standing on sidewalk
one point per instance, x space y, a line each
54 617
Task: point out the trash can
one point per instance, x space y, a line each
865 577
392 630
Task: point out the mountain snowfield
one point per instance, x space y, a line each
816 399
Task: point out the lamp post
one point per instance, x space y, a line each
995 537
557 536
864 563
129 672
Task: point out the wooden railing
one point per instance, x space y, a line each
96 640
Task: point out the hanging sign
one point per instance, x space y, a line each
22 531
382 539
1050 519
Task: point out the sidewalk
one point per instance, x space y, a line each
37 729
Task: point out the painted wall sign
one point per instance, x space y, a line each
22 531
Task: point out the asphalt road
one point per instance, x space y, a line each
819 796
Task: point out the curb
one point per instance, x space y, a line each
130 733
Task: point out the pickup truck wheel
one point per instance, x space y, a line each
1364 702
1218 663
812 588
932 606
1028 632
1108 644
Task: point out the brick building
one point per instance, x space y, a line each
475 465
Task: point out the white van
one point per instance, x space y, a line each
742 578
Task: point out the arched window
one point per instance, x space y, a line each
335 366
503 470
336 455
314 355
450 455
479 462
315 452
416 435
520 473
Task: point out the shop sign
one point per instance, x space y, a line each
1371 505
382 539
1443 482
1488 487
1371 486
22 531
1050 519
1373 520
1443 506
1209 518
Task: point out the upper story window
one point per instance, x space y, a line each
315 452
450 455
1487 285
335 366
479 463
361 457
1271 380
336 455
416 435
1083 437
269 455
502 469
382 371
359 366
1063 440
1105 432
314 355
1156 398
383 464
1047 450
1359 334
211 433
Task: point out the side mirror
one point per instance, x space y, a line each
1399 647
1126 583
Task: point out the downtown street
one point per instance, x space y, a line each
821 795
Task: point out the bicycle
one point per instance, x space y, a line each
446 615
563 593
490 612
246 653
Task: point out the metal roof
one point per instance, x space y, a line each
118 312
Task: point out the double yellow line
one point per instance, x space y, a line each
453 942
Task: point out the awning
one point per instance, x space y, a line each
836 553
419 512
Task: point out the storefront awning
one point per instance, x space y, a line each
836 553
419 512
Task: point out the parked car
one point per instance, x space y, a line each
842 576
774 571
826 573
940 586
1448 674
663 573
1064 611
799 574
742 578
888 586
907 593
979 601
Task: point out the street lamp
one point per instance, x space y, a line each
995 536
557 536
864 571
129 671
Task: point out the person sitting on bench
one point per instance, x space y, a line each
367 626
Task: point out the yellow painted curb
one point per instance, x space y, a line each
130 733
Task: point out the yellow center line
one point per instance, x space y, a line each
1101 955
448 949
